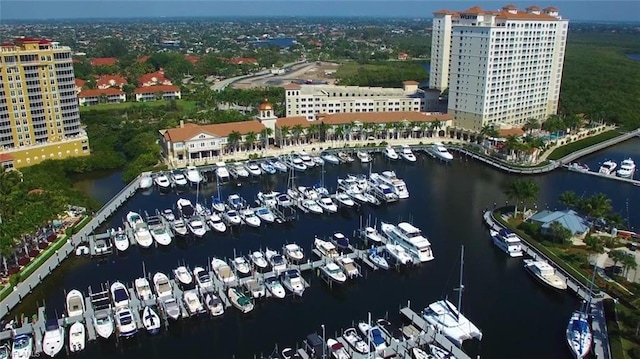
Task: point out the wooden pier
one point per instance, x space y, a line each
602 175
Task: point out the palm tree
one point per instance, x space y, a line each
233 140
573 122
488 131
264 135
531 124
569 199
338 132
313 131
521 190
596 206
285 131
297 130
437 124
250 140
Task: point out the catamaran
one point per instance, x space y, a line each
409 237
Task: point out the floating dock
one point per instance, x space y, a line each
574 168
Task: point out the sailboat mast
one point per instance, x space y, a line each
461 287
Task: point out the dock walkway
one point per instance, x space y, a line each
632 181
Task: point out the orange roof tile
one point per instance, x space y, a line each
104 61
474 10
157 88
381 117
98 92
445 12
157 76
80 83
5 157
510 7
143 59
533 8
293 121
524 16
292 86
410 82
510 132
111 80
550 9
187 132
193 59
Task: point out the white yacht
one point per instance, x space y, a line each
151 320
249 218
507 241
327 204
377 259
267 167
330 158
222 270
308 192
390 153
350 335
608 167
203 279
179 227
345 157
448 319
296 163
372 234
140 231
192 302
162 181
238 170
293 252
183 276
333 272
545 273
103 323
193 175
284 200
275 287
162 285
306 159
234 201
178 178
326 248
77 337
119 295
265 214
259 260
292 280
53 338
255 287
267 199
373 335
348 266
364 157
158 231
197 227
241 265
215 222
383 192
214 304
440 152
22 347
278 165
171 307
186 208
276 260
344 200
222 173
407 154
168 215
232 217
311 206
627 168
125 323
253 168
337 350
143 289
239 300
398 253
120 240
579 334
409 237
146 182
390 179
75 303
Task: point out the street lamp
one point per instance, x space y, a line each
324 346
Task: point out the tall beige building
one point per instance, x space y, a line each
501 67
39 114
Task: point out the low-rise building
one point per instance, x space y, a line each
569 219
157 92
103 61
90 97
153 79
106 81
24 156
80 84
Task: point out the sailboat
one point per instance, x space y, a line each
579 335
216 202
448 319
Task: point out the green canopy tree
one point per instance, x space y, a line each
521 190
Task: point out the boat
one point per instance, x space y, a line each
259 260
417 353
193 175
374 335
577 167
141 232
350 335
545 273
239 300
53 338
579 334
384 192
409 237
277 164
215 222
151 320
326 248
143 289
213 304
267 167
348 266
337 350
448 319
196 227
390 179
119 295
222 270
183 276
239 171
274 287
293 252
372 234
192 302
75 303
311 206
186 208
162 181
364 157
179 227
232 217
125 323
440 353
333 272
340 240
344 200
146 182
241 265
171 308
295 163
306 159
77 337
267 199
330 158
265 214
318 160
608 167
162 285
437 150
398 253
284 200
222 173
327 204
308 192
202 277
103 323
507 241
178 178
120 240
234 201
249 218
255 287
390 153
627 168
292 280
378 260
407 154
22 346
168 215
158 231
253 168
276 260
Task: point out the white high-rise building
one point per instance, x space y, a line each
501 67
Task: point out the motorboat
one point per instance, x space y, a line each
259 260
308 192
545 273
267 199
277 164
355 341
183 276
274 287
348 266
337 350
162 181
249 218
168 215
255 287
390 153
238 170
318 160
293 252
158 231
267 168
171 308
330 158
203 211
186 208
192 302
241 265
417 353
409 237
53 338
373 335
222 270
378 260
120 240
327 204
311 206
296 163
143 289
384 192
265 214
162 285
398 253
344 200
202 277
253 168
125 323
215 222
364 157
321 191
292 280
306 159
608 167
372 234
77 337
340 240
239 300
579 334
326 248
22 346
218 204
213 304
333 272
146 182
627 168
140 231
178 178
276 260
75 303
407 154
196 227
578 167
359 197
508 242
437 150
119 295
440 353
193 175
151 320
222 173
232 217
179 227
390 179
284 200
103 323
234 201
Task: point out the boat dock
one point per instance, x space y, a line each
632 181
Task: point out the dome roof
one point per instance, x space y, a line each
265 106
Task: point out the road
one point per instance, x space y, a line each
221 85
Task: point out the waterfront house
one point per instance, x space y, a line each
88 97
569 219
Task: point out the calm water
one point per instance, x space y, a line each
446 202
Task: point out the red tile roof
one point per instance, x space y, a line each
156 89
474 10
110 80
22 40
510 132
381 117
104 61
143 59
5 157
292 86
243 60
80 83
523 16
533 8
410 82
157 77
550 9
98 92
193 59
190 131
293 121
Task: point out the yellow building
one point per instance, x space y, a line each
39 113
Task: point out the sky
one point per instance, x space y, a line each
78 9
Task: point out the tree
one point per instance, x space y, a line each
488 131
596 206
569 199
521 190
531 124
250 140
573 122
264 135
285 131
618 256
558 232
297 130
554 124
233 140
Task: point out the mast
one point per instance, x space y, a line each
461 286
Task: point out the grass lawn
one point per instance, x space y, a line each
183 104
569 148
350 68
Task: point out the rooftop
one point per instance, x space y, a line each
103 61
109 91
191 130
382 117
569 219
156 89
